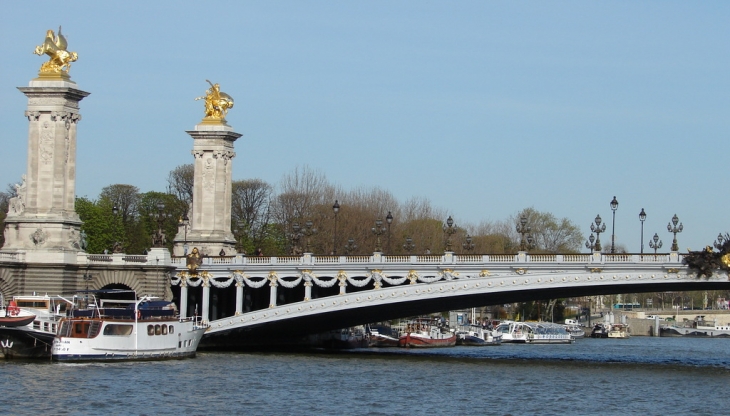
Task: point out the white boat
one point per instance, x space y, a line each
34 339
144 330
534 333
512 332
698 327
476 335
618 331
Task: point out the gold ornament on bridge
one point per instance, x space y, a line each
217 104
55 47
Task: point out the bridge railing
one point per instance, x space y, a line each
449 258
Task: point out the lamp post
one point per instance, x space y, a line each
295 237
720 241
656 243
389 220
614 207
87 278
378 230
590 244
309 231
158 239
598 229
449 230
522 228
335 209
350 246
409 246
468 245
675 230
642 218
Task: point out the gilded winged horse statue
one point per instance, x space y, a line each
55 47
217 103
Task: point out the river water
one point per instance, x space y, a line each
643 375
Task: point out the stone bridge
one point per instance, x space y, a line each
248 299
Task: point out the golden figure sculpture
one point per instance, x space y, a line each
217 103
55 47
193 261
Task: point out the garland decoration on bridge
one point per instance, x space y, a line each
706 261
175 280
321 283
193 281
249 282
431 279
222 284
289 284
393 281
358 282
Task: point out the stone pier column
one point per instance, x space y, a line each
210 216
42 220
274 284
183 298
206 300
239 298
307 291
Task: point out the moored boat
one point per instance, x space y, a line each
425 334
144 330
33 339
534 333
620 331
382 337
698 327
477 336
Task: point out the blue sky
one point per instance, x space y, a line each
484 108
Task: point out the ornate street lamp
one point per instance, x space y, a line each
409 246
468 245
656 243
295 237
642 218
350 247
335 209
522 228
598 229
614 207
389 220
309 231
449 230
720 241
158 239
378 230
590 244
675 230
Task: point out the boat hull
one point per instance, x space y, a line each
14 321
418 341
22 343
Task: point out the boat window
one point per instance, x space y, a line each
118 329
32 304
172 329
150 330
164 329
158 330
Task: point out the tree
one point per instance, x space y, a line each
180 182
102 229
550 234
251 212
125 198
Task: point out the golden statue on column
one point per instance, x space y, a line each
60 62
217 104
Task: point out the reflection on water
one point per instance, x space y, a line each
592 376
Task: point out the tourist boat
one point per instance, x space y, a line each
534 333
33 339
146 329
698 327
618 331
477 336
382 337
426 334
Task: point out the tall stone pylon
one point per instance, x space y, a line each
209 227
42 222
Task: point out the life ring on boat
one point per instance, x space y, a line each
13 309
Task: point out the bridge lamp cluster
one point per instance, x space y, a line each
449 230
522 228
672 228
